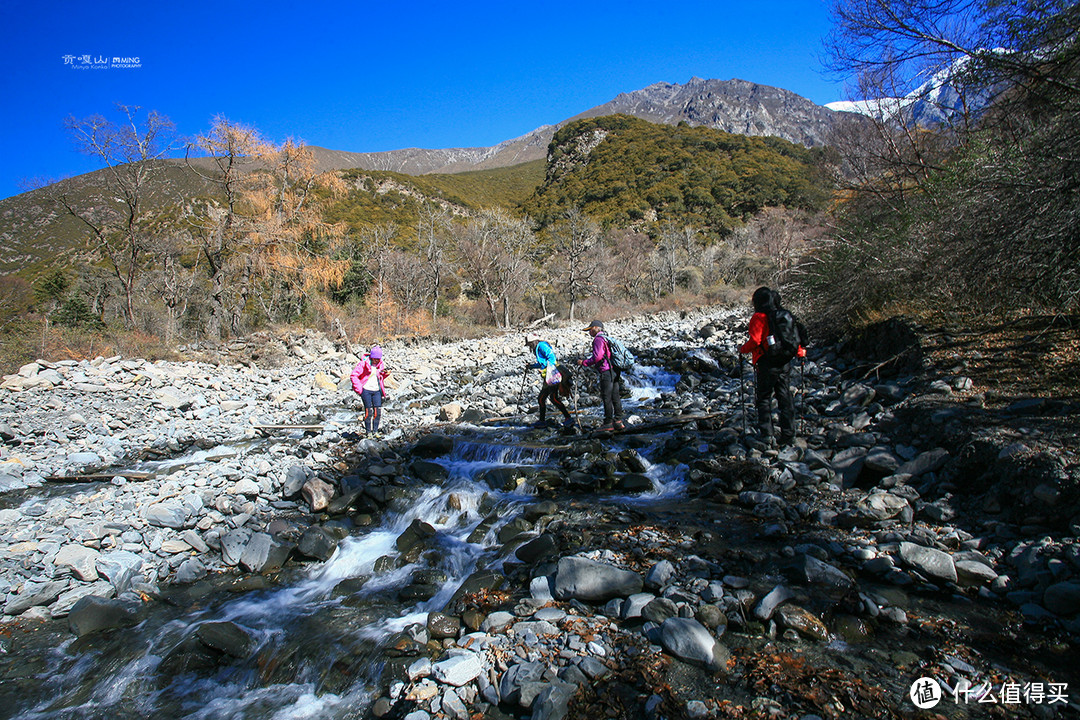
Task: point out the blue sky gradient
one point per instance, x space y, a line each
364 76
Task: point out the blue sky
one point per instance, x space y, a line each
365 76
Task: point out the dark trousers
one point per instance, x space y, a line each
775 381
611 394
551 391
372 400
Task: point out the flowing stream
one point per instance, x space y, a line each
309 642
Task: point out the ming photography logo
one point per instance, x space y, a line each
927 692
101 62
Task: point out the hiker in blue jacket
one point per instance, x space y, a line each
550 378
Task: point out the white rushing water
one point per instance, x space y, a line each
283 622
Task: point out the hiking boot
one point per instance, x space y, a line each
619 425
606 427
786 441
568 422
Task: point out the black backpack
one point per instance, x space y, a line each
785 336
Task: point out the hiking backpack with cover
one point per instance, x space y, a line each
619 356
785 336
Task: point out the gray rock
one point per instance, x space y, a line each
317 543
170 514
848 464
690 641
83 460
417 533
929 461
81 559
119 567
880 506
1063 598
537 550
69 598
190 570
768 604
882 461
264 553
659 575
634 604
92 614
582 579
295 478
517 676
34 594
659 610
816 572
457 670
496 621
928 561
233 544
552 703
970 573
226 637
11 482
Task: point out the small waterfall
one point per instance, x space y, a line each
310 625
313 643
647 382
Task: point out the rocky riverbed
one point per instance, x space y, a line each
679 569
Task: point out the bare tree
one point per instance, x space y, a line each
174 279
232 152
576 240
986 201
434 234
121 228
626 262
496 250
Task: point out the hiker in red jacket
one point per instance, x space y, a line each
772 366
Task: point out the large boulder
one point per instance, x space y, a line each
690 641
226 637
81 559
170 513
317 543
432 446
578 578
931 562
264 553
92 614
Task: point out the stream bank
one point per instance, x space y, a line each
481 566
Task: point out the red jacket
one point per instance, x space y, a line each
759 328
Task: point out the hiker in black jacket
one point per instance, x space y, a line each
773 365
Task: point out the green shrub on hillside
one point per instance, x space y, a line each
623 171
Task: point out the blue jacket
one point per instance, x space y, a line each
545 356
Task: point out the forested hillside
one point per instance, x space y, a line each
624 214
625 172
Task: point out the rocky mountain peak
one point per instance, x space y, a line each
734 106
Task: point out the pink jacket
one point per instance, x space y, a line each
363 371
601 355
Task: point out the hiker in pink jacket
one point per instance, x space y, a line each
368 380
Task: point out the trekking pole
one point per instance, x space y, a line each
802 396
742 390
521 393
